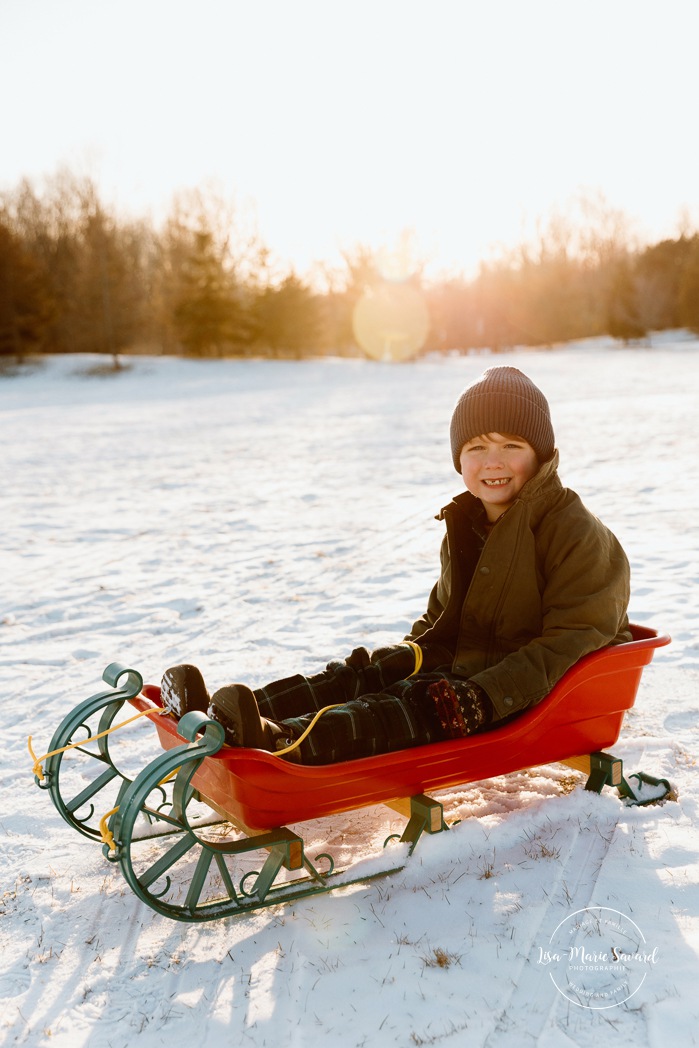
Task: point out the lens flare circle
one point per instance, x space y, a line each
391 321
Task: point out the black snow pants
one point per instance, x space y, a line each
382 707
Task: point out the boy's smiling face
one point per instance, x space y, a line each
495 468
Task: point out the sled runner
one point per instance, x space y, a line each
178 827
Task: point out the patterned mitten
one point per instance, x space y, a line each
462 707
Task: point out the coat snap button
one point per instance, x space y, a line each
508 701
485 570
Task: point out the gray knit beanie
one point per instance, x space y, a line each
502 400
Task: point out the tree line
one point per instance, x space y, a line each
75 278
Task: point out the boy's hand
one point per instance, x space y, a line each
434 657
462 707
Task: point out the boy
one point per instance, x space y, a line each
530 582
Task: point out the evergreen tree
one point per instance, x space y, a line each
688 298
453 315
659 276
24 304
288 319
209 315
92 264
623 314
108 285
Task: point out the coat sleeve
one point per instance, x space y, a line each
438 600
584 604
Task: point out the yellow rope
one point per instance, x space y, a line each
418 656
106 834
39 771
294 745
309 729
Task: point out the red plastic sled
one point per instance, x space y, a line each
580 717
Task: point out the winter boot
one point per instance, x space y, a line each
235 707
183 689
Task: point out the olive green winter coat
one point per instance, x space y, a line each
550 585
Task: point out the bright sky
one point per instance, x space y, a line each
348 121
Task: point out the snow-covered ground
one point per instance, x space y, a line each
263 517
